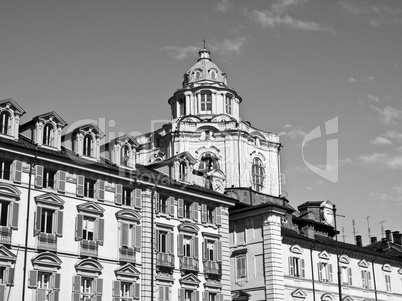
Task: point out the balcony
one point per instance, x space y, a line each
189 264
165 260
127 254
5 235
47 241
89 248
212 267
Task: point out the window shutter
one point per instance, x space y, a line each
59 230
180 205
10 277
195 247
330 273
195 295
116 288
17 171
61 181
76 297
363 279
56 281
203 213
220 297
136 290
40 294
98 298
205 296
180 245
303 273
2 292
38 220
39 176
124 235
101 190
171 206
170 242
138 198
99 286
78 226
368 279
138 233
118 194
55 295
204 251
291 267
350 276
182 294
80 185
218 247
76 284
33 279
195 212
218 216
14 220
100 230
156 238
319 264
156 202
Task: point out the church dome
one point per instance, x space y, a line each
204 71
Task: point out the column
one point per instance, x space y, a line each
187 104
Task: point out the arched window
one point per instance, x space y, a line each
258 174
124 155
48 134
5 123
183 171
207 163
228 104
206 102
88 146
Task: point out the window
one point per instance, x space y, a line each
346 274
187 209
124 155
47 285
366 279
241 266
4 205
182 106
207 163
6 276
212 256
48 178
228 104
163 205
46 220
388 282
5 123
48 134
183 171
130 235
325 272
206 102
163 293
87 286
8 217
88 146
164 248
127 196
197 74
257 174
188 295
90 228
187 246
210 215
296 267
208 296
5 169
89 188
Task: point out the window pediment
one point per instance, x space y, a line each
11 105
258 155
188 227
387 268
299 294
363 264
91 208
52 117
89 265
324 255
50 199
241 296
92 129
47 260
128 215
344 259
327 297
127 139
8 190
6 254
190 279
347 298
127 271
296 249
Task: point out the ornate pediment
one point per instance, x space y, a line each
296 249
299 294
53 117
190 279
324 255
386 268
6 254
347 298
9 191
11 104
90 128
344 259
90 207
50 199
47 259
188 227
241 296
327 297
363 264
89 265
128 215
127 271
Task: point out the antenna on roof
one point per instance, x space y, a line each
343 234
368 226
354 230
382 228
204 42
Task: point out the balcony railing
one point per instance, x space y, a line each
5 235
189 264
47 241
212 267
89 248
127 254
165 260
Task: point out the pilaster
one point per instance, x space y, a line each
224 237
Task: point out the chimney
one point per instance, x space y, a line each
385 244
395 235
388 235
359 240
398 238
373 239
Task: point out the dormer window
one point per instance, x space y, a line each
206 102
183 171
48 135
208 163
5 123
124 155
88 146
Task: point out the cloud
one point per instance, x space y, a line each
223 6
388 115
180 53
372 159
394 135
382 160
277 17
296 134
351 79
392 195
228 47
373 98
374 15
380 141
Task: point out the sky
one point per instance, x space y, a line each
297 65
